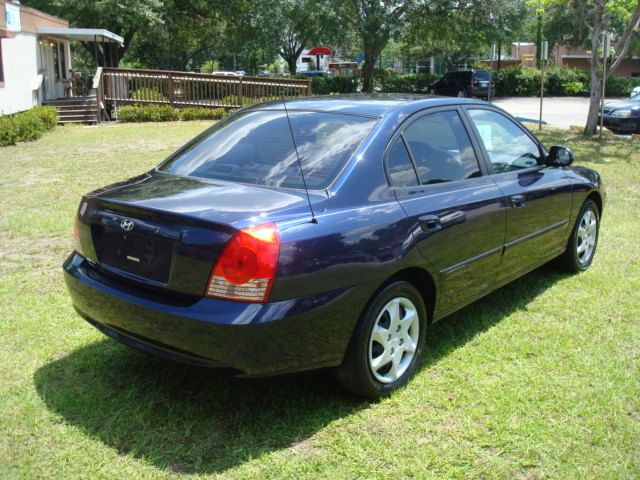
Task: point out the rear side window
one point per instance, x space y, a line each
399 167
441 149
257 148
481 75
508 146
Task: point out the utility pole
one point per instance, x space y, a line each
493 54
543 61
606 45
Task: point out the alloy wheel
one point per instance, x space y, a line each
394 340
587 234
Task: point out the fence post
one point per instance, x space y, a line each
239 95
308 87
171 89
98 86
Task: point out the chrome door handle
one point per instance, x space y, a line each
517 201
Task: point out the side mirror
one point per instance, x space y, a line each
559 156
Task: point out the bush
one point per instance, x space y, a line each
201 113
27 126
147 113
148 94
333 84
407 82
165 113
621 87
573 88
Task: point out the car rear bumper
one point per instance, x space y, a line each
256 339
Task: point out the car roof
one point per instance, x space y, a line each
371 105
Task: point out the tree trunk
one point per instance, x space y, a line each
367 70
595 74
594 103
292 62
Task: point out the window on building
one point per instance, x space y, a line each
63 61
56 60
1 66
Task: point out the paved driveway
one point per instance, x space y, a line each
556 111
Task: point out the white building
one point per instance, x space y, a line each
35 58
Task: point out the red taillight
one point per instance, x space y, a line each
247 266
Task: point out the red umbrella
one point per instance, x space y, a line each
317 51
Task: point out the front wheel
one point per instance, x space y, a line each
386 345
584 239
462 94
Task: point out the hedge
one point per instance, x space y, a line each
517 82
165 113
333 84
407 83
27 126
522 81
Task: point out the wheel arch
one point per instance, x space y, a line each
597 199
423 281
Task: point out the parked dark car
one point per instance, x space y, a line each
623 116
466 83
416 207
314 73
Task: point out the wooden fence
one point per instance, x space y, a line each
125 86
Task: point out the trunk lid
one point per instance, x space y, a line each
166 232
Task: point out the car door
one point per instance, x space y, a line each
457 210
538 196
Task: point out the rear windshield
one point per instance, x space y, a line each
257 148
482 75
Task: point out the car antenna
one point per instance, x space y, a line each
295 147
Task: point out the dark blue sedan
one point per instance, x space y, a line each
329 234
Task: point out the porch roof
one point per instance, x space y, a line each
82 34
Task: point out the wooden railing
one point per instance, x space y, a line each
124 86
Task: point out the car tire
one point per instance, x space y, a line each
582 244
386 347
462 94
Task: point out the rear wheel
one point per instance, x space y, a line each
584 239
386 345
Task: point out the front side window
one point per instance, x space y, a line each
509 148
441 148
257 148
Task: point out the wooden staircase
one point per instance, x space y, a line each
76 109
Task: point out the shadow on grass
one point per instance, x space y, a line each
192 420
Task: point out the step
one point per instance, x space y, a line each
76 111
85 120
78 118
70 100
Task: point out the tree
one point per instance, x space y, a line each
598 16
375 22
126 18
290 26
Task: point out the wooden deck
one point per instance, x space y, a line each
123 86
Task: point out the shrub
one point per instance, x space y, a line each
573 88
148 94
621 87
333 84
165 113
407 82
27 126
147 113
201 113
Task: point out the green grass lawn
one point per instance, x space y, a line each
541 379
